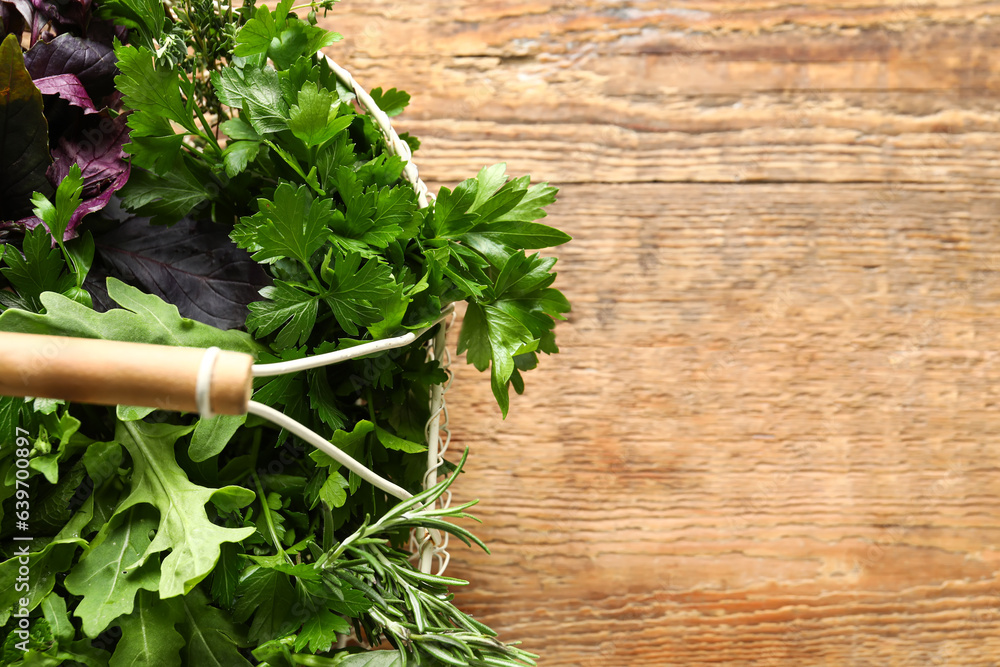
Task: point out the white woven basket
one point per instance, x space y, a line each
430 547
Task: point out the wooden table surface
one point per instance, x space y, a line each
771 437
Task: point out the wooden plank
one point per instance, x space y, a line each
854 103
766 437
769 437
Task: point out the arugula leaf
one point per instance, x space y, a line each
143 318
55 612
149 636
184 529
109 560
210 636
212 435
52 559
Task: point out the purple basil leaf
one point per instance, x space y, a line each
194 265
24 8
67 12
33 18
98 151
11 21
91 61
97 148
24 141
68 87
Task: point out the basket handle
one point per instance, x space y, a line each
396 145
106 372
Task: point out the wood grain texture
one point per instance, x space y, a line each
771 435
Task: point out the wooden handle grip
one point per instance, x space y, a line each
105 372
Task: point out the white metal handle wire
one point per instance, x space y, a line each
317 441
203 388
295 365
307 434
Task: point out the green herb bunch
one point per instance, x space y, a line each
169 539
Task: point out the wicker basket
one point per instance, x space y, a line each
430 547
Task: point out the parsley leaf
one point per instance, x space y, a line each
268 597
290 225
256 35
146 16
373 217
353 288
283 38
57 216
392 101
238 155
166 199
154 90
286 307
313 119
259 90
320 630
489 334
41 269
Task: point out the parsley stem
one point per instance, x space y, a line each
313 277
294 164
195 150
208 130
267 516
71 261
